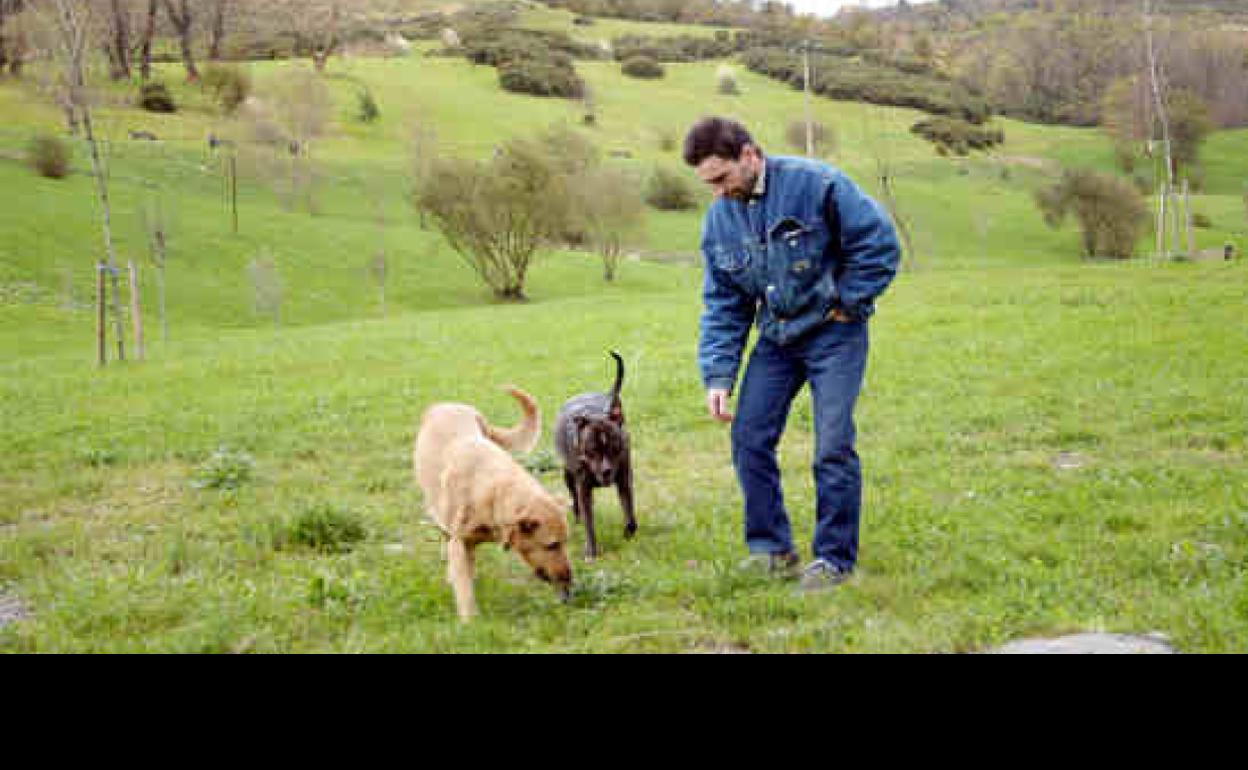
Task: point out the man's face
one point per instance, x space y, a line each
732 178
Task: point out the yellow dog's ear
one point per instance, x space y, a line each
526 526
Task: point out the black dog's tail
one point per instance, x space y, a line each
619 380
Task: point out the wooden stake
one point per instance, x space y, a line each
234 189
1187 210
101 324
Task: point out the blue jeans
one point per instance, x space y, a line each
833 359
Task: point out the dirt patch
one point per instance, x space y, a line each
11 610
1091 644
1027 161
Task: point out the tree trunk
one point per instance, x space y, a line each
216 37
4 46
149 32
183 22
119 50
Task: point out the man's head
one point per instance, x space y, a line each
725 157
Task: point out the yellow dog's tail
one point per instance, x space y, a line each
523 437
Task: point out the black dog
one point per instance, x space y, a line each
594 446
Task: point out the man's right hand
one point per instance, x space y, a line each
717 403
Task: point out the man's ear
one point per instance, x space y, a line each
616 415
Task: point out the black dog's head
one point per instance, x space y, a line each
601 445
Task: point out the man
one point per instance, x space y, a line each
796 246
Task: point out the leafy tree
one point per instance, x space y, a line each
1112 214
496 214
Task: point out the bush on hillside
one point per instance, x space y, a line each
670 190
856 79
957 136
49 157
677 48
367 110
229 85
825 137
643 67
1112 215
541 78
155 97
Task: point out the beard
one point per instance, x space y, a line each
748 182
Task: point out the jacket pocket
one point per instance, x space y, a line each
730 259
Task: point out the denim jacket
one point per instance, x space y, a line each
813 243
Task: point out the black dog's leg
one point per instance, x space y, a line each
570 480
624 485
585 496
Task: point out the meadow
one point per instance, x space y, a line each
1051 445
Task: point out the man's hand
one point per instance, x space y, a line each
717 403
839 317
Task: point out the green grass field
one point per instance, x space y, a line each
1050 445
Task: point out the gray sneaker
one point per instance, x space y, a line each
820 575
784 564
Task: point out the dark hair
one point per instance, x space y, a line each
719 137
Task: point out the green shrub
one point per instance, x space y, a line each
226 469
155 97
367 111
49 156
857 79
541 78
643 67
670 190
957 136
325 528
825 138
676 48
229 85
1112 214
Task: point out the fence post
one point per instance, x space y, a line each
100 320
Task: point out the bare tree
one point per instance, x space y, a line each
315 24
12 36
72 26
609 206
149 33
118 44
302 110
156 223
216 31
183 20
880 149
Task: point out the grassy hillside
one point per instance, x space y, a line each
1050 445
1046 451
